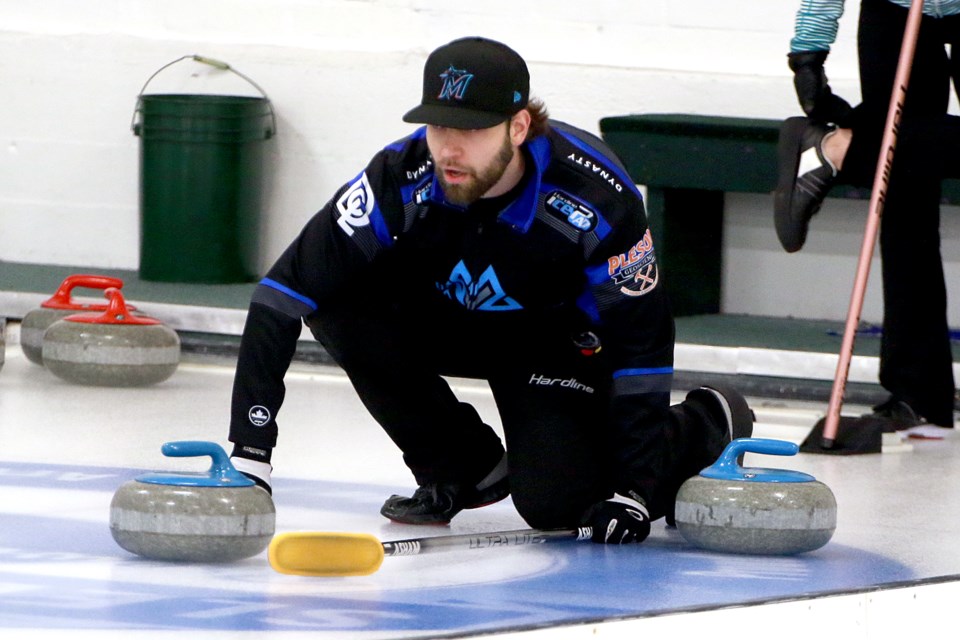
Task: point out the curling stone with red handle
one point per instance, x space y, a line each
113 349
60 305
217 516
749 510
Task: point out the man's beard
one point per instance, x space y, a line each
468 192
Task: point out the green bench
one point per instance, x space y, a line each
687 163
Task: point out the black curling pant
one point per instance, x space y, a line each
552 402
916 358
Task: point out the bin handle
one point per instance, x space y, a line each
219 64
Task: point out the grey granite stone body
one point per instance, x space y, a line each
764 518
192 524
32 327
117 355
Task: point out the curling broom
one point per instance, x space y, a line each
316 553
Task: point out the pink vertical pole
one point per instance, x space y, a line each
877 198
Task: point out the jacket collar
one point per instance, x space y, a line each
520 213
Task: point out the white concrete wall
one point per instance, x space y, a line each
340 73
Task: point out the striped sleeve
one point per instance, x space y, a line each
816 25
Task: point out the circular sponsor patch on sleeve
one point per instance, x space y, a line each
258 415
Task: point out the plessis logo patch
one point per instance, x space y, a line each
636 270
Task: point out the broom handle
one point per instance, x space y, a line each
877 197
520 537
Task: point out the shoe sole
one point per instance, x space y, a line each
788 158
420 523
426 520
439 521
442 521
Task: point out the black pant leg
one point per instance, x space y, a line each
555 423
916 356
554 406
916 360
396 362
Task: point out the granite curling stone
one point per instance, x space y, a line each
113 349
746 510
60 305
217 516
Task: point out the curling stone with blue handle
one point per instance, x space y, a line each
749 510
58 306
113 349
217 516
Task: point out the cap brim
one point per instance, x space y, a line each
453 117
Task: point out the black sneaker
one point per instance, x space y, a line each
728 407
438 502
898 414
805 178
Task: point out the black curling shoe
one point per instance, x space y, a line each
805 178
437 503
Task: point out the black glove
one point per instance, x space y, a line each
813 91
618 520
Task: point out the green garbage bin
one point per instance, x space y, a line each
201 181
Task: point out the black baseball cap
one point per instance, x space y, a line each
472 83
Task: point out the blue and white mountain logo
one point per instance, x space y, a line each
482 294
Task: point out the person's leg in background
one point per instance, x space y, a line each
916 358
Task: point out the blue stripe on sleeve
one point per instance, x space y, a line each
273 284
643 380
651 371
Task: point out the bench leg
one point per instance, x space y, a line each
687 226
